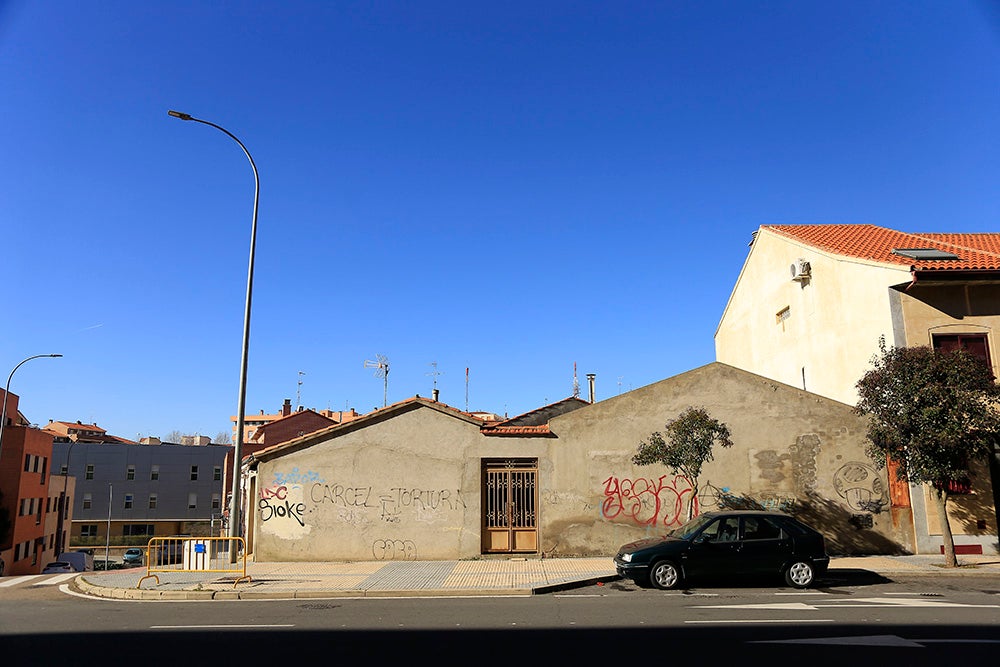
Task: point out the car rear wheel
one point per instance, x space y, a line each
800 574
664 575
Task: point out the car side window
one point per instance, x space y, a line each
711 532
760 528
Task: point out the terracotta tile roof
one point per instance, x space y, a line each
517 431
976 252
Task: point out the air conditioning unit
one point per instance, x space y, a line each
801 270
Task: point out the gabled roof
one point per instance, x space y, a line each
534 422
361 422
975 252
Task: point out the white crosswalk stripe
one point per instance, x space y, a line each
36 579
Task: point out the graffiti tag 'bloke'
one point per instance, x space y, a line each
649 502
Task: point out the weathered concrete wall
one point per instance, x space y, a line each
409 486
401 489
793 451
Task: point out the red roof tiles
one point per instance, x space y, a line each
976 252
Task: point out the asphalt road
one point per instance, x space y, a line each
860 618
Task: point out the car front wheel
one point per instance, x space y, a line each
664 575
800 574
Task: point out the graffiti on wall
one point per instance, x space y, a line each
426 504
394 550
861 486
282 504
649 502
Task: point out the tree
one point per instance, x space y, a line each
933 413
223 438
686 447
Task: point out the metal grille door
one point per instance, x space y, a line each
510 499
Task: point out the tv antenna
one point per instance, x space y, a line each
381 366
576 383
298 391
434 374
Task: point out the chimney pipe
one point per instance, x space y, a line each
286 407
590 381
435 394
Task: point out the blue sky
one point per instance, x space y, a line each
512 188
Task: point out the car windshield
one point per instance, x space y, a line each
688 530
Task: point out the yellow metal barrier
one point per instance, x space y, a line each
195 554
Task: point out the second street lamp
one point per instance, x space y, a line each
6 391
234 505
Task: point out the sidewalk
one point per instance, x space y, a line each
494 577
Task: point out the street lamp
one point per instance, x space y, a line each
60 546
6 391
234 507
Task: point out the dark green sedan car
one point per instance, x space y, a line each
745 542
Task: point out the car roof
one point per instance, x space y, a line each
742 512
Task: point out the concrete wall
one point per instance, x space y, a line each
409 486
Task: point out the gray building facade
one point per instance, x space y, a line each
152 490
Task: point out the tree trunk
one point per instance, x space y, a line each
941 498
693 499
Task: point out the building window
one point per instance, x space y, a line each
130 472
88 530
135 529
154 473
217 473
64 469
27 463
152 501
216 501
974 344
45 463
90 471
128 501
192 501
87 501
194 473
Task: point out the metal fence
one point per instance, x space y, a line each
195 554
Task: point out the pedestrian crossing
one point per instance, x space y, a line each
36 579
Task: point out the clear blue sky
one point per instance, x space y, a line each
506 187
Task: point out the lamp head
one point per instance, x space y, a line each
179 114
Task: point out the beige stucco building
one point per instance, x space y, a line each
812 302
422 480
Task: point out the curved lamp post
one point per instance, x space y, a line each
60 546
6 391
234 503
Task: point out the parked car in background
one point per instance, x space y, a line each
82 560
132 557
719 544
57 567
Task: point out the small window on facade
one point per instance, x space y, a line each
27 463
217 473
88 530
63 469
130 472
192 501
154 473
90 471
128 501
87 501
216 501
152 501
194 473
34 463
783 315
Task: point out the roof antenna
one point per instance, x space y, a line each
381 366
576 383
298 391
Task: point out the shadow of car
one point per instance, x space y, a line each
57 567
727 544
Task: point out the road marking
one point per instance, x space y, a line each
860 603
234 626
872 640
14 581
772 605
56 579
790 621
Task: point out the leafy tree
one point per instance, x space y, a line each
686 447
934 413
